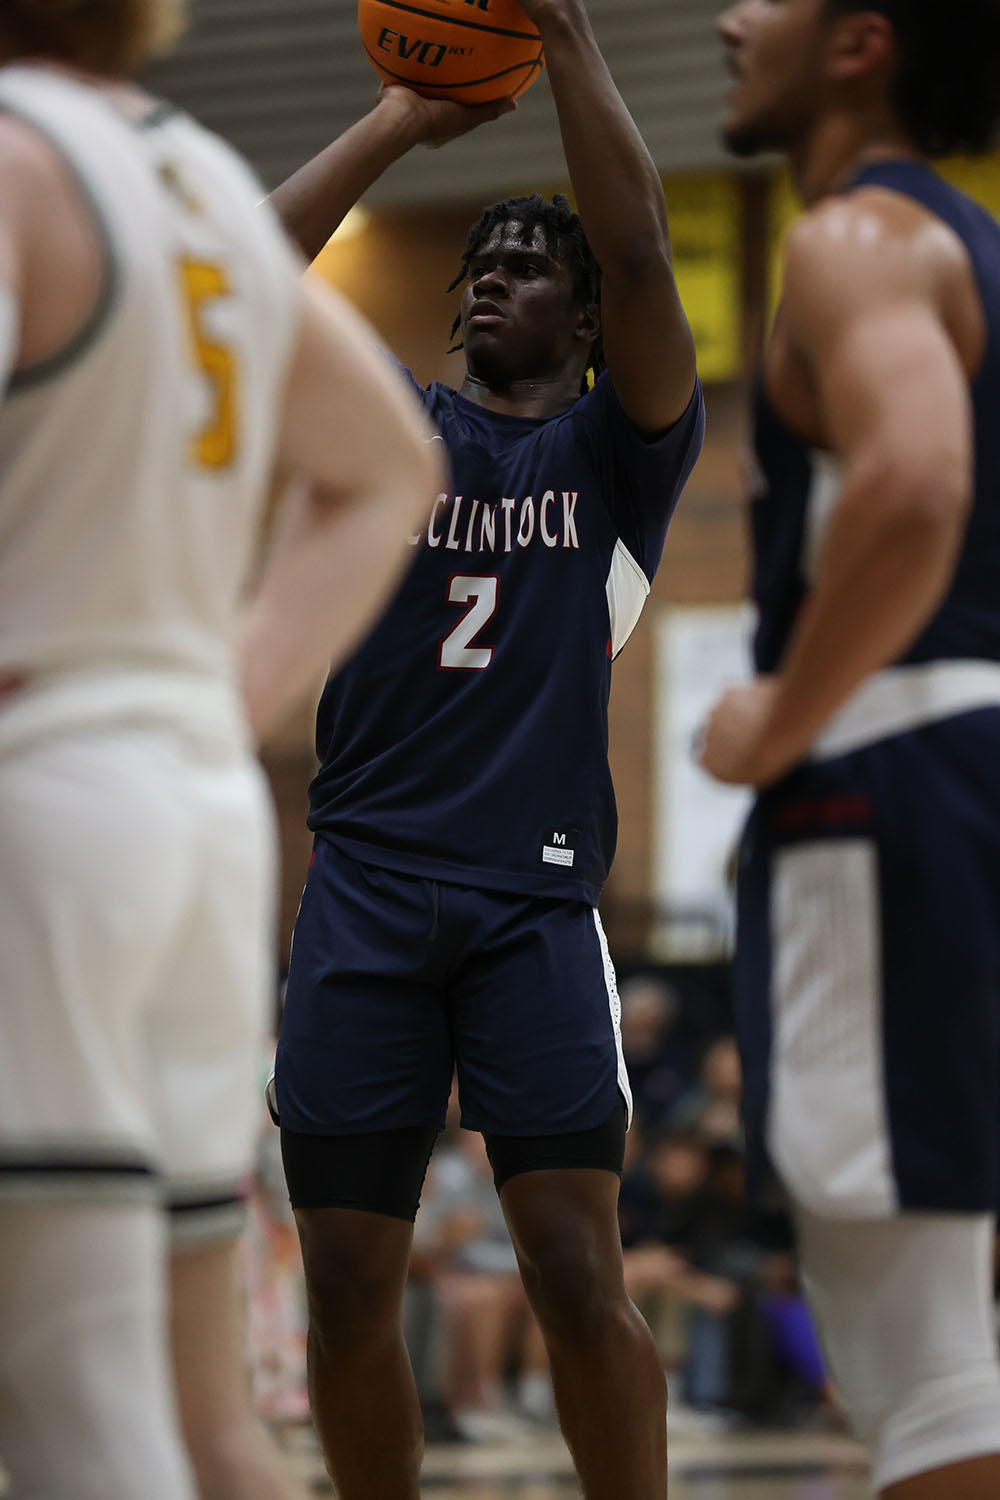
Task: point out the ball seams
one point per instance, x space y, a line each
436 15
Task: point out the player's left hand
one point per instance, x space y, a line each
735 746
437 122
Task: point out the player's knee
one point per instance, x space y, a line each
577 1298
352 1298
348 1305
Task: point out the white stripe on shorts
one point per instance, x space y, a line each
899 699
88 1169
827 1128
615 1006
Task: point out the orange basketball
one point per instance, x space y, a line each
471 51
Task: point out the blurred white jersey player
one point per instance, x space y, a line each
158 353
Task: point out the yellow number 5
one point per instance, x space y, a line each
215 446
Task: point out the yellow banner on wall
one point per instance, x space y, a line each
705 220
979 176
784 207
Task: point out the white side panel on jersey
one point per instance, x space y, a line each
824 490
828 1128
615 1006
628 590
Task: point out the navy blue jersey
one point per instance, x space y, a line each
795 480
467 740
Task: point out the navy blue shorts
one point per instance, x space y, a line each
396 981
868 975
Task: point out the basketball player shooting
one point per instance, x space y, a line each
868 963
464 814
159 350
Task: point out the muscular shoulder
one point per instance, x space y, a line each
869 247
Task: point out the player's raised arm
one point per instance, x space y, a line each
647 341
313 202
352 431
865 287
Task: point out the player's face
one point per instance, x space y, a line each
774 51
520 318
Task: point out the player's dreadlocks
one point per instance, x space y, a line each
564 236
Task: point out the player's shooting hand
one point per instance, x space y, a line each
735 744
435 122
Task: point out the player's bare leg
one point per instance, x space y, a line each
609 1384
976 1479
361 1387
233 1455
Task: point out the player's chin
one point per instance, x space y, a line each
490 352
488 333
742 136
748 132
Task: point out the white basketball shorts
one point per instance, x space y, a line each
136 971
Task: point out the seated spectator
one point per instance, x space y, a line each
711 1104
462 1245
750 1350
662 1211
272 1263
660 1061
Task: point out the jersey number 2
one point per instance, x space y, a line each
480 592
214 447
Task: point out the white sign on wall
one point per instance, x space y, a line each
697 821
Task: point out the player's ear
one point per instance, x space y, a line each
589 325
861 42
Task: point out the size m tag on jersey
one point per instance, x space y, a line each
559 847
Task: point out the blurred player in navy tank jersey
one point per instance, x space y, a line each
868 965
464 814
